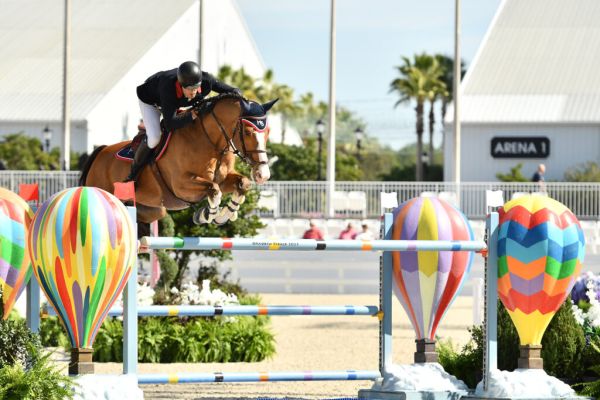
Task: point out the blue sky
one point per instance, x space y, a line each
293 39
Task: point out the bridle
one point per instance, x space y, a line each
230 146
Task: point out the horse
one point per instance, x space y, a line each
198 162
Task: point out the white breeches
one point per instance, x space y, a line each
151 116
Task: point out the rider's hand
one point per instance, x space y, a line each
194 115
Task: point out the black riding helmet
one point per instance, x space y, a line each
189 74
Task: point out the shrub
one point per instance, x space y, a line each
52 333
175 339
564 345
40 382
468 364
18 345
592 389
26 373
563 348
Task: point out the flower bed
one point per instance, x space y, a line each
182 339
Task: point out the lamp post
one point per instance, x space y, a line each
320 130
360 135
47 136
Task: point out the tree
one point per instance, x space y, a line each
588 172
418 81
239 79
438 89
515 175
268 90
20 152
447 66
299 163
247 225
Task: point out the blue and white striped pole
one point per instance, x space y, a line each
218 377
130 328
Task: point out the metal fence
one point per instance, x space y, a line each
307 199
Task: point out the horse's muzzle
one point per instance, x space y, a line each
261 173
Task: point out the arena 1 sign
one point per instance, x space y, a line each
520 147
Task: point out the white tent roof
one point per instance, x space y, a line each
537 64
108 37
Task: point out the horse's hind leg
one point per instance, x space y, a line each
238 185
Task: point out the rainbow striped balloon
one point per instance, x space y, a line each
540 252
15 265
83 245
426 282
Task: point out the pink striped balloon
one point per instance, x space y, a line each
426 282
82 244
15 266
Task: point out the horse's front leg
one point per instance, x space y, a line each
206 215
238 185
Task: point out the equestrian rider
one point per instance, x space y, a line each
165 93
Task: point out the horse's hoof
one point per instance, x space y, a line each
221 219
202 216
233 217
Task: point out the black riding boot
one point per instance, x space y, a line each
143 154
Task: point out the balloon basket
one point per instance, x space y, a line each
531 357
425 351
371 394
81 361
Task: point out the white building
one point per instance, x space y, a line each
115 46
532 92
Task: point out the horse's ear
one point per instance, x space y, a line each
245 107
267 106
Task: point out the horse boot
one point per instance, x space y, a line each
143 154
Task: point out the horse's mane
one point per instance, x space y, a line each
207 104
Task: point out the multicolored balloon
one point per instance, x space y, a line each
15 265
540 252
426 282
83 244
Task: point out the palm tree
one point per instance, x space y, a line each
418 81
239 79
268 89
447 66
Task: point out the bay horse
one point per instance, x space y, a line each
198 163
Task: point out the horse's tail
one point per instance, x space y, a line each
88 164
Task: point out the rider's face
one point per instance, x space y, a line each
190 92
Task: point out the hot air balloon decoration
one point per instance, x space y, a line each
540 252
15 265
426 282
82 245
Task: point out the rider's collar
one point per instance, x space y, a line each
178 89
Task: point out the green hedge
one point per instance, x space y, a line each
173 339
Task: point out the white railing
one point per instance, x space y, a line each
306 199
300 199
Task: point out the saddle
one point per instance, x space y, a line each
127 152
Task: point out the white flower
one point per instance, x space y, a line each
578 314
145 295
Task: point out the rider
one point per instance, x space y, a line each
164 93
